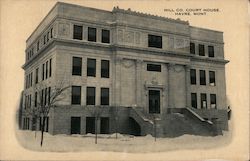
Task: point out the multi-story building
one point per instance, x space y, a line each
146 73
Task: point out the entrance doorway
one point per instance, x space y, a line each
154 101
90 125
104 125
75 125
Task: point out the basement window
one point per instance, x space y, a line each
154 41
154 67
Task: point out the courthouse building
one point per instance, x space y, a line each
145 74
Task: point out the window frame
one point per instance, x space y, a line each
104 38
76 98
153 67
90 69
89 100
92 35
75 67
77 34
154 41
105 72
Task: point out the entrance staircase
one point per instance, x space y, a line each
174 124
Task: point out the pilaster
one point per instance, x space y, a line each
188 91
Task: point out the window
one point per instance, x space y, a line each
203 100
47 36
91 34
211 78
49 94
193 76
77 66
91 67
51 33
37 45
31 75
105 69
44 39
211 51
202 77
46 70
77 33
37 70
154 41
35 99
43 71
50 67
154 67
90 96
45 96
192 48
76 95
194 100
105 36
201 50
213 100
42 97
104 96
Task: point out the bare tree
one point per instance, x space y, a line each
96 112
45 99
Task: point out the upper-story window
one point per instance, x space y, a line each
46 72
91 67
211 51
104 96
90 96
91 34
76 95
213 100
154 67
44 39
203 100
37 70
194 100
211 78
105 69
202 77
50 67
47 36
154 41
77 32
37 45
77 66
192 48
105 36
51 33
201 50
192 76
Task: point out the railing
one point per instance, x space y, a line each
198 116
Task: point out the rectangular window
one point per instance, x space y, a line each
192 48
154 41
47 36
50 67
91 34
49 94
31 75
211 78
51 33
45 96
43 71
202 77
44 39
105 36
77 66
37 70
211 51
213 100
35 99
42 100
46 70
194 100
77 32
105 69
76 95
90 96
154 67
91 67
203 100
26 81
201 50
104 96
193 76
37 45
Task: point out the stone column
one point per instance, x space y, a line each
170 85
188 85
139 82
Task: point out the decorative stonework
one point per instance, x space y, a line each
127 63
64 29
120 36
178 68
154 81
179 43
137 38
170 42
129 36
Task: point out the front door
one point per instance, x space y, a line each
154 101
75 125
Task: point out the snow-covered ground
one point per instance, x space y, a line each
124 143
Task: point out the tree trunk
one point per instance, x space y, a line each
95 130
42 130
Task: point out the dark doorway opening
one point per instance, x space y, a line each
154 101
90 125
135 128
104 125
75 125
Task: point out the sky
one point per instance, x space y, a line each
18 18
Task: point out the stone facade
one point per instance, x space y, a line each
130 81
